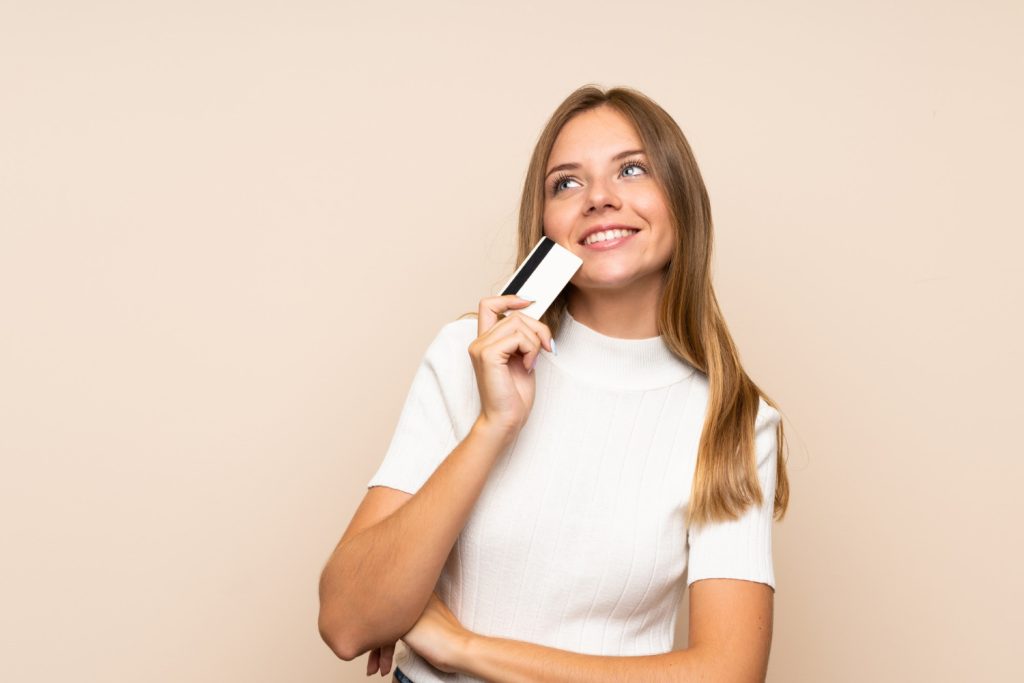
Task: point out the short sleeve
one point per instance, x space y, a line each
425 433
742 548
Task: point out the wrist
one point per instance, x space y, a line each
468 653
496 434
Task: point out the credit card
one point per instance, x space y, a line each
542 276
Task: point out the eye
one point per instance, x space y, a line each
638 164
556 185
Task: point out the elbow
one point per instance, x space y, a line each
332 633
333 624
349 641
347 631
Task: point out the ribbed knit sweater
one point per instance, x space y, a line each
578 539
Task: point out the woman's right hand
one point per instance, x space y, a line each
503 355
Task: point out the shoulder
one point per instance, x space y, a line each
765 441
461 331
767 417
452 340
447 354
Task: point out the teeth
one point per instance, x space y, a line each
607 235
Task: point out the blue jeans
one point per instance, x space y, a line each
401 677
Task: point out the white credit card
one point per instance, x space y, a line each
542 276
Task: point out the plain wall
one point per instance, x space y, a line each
229 229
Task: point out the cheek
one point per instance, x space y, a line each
652 206
655 212
556 222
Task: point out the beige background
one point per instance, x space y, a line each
214 291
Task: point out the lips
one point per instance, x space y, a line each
605 245
601 228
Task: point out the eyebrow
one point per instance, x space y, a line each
620 155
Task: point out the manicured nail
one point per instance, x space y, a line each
554 347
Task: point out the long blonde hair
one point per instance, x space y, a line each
725 480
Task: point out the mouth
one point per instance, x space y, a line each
618 239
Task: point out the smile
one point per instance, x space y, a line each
612 243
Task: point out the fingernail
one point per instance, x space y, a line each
554 347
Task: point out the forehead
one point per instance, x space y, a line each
594 135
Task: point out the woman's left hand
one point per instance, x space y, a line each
438 636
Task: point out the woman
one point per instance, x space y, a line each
538 525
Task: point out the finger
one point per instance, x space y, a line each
542 330
373 661
387 656
509 339
492 307
532 330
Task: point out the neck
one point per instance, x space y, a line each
615 362
629 313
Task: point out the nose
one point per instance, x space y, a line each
601 194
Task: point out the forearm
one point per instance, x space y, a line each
378 582
500 660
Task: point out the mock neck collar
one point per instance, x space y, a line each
613 362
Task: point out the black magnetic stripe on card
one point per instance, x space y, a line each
531 265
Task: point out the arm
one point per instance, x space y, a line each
730 637
376 584
500 660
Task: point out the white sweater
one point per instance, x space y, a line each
578 540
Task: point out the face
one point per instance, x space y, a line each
608 184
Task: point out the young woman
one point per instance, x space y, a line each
550 483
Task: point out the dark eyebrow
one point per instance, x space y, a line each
620 155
